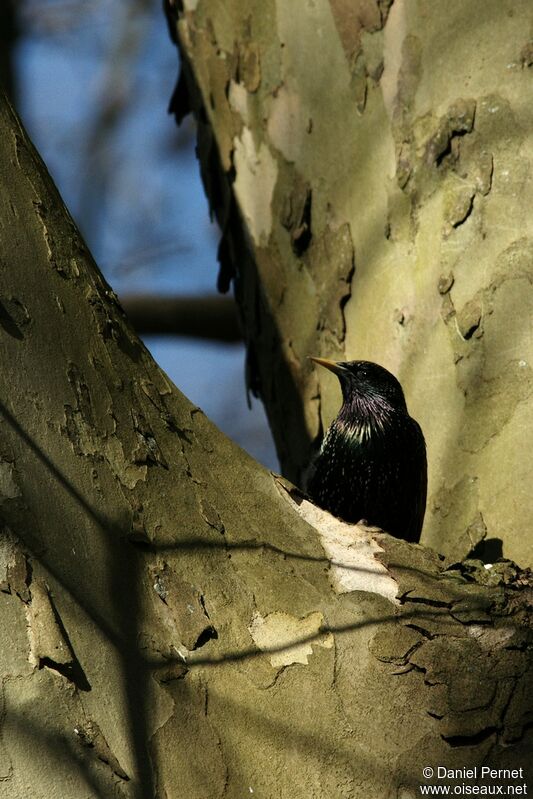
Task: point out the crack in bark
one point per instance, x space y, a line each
470 740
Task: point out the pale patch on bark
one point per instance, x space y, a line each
351 550
288 123
238 100
288 638
395 33
256 175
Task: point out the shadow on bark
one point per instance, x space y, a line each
127 572
125 575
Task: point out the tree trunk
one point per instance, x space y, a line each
177 620
375 152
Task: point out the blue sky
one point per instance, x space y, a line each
94 88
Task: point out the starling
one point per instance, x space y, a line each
372 462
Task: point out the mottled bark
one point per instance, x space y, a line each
376 157
175 621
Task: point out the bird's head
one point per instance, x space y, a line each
366 382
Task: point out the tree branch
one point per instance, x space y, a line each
200 317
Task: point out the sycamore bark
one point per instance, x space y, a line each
376 155
177 621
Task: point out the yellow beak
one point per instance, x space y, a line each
333 366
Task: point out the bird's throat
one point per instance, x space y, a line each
363 417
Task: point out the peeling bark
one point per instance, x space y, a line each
408 133
178 620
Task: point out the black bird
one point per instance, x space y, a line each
372 462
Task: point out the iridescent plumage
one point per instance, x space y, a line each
372 462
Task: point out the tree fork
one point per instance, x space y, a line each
179 619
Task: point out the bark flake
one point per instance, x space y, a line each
50 646
186 609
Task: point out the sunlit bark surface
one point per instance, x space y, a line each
378 156
176 622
